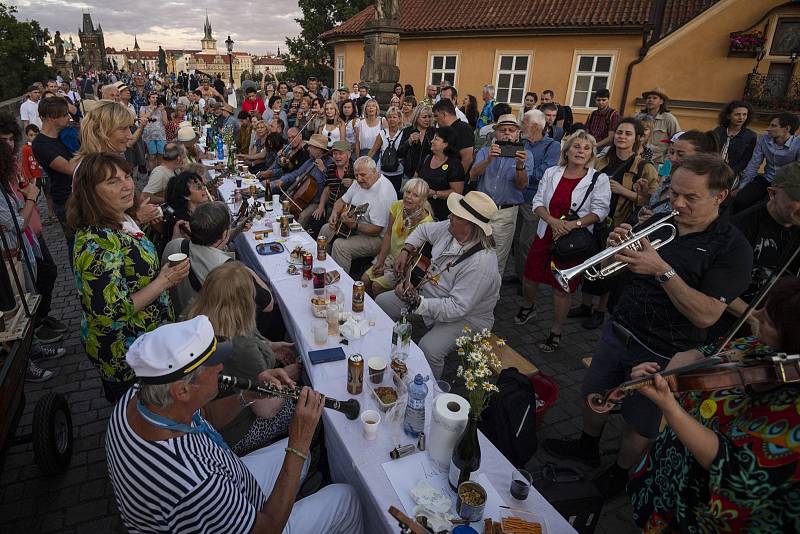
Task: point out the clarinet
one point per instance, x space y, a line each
350 408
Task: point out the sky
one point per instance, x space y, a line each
256 27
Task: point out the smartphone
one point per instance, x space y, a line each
326 355
508 149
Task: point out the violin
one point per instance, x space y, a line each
709 374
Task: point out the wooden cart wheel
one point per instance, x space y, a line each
52 434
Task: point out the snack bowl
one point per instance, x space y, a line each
390 382
516 519
319 307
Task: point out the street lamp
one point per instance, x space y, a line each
229 46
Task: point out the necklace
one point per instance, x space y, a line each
409 217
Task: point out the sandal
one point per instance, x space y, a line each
551 343
525 314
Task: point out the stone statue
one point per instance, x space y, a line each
162 60
387 9
58 43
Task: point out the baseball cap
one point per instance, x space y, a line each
673 138
342 146
788 179
174 350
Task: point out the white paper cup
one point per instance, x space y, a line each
175 259
377 366
370 420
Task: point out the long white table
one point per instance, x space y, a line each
354 460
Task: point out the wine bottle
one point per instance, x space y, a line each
466 458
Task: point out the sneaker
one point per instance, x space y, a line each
37 374
48 336
581 311
525 314
571 449
612 481
49 352
594 321
54 324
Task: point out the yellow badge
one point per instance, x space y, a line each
445 167
708 408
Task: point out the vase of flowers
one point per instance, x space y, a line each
479 364
746 44
227 138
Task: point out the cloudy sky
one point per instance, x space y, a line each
257 27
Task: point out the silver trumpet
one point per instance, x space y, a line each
592 268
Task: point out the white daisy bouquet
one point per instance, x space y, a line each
478 366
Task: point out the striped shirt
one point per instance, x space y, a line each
185 484
333 181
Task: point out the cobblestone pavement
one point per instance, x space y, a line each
81 500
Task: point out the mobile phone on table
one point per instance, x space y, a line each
326 355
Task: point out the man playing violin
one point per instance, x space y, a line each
675 293
292 156
728 460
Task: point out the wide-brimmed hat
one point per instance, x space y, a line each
342 146
319 141
656 91
508 118
174 350
186 134
229 108
214 104
476 207
788 179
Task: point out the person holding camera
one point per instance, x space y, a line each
501 170
571 197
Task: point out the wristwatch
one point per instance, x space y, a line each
578 223
664 277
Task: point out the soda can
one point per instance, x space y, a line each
322 248
308 264
355 374
358 297
284 222
318 277
285 205
253 191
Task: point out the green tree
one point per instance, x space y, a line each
308 54
22 52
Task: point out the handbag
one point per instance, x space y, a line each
579 244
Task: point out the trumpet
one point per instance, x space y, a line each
350 408
592 268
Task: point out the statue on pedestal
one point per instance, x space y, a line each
387 10
381 38
58 44
162 61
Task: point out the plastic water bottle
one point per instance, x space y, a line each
414 422
220 149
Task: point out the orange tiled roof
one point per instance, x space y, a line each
442 16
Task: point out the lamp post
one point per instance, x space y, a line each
229 46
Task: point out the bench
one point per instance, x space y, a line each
511 358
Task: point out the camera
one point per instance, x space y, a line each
508 149
152 119
167 210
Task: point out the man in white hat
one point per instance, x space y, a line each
503 175
467 284
172 471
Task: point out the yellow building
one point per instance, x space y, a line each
578 46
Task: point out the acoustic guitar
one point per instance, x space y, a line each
342 230
418 265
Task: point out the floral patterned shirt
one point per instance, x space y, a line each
753 484
110 266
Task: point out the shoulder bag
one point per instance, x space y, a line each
579 244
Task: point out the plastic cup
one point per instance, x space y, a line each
521 482
320 329
439 387
177 258
370 419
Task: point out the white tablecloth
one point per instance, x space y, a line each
353 459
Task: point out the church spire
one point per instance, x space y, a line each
135 43
207 28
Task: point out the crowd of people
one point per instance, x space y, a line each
490 195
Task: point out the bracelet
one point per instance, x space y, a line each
296 452
243 402
30 200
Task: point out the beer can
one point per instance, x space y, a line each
285 205
355 374
318 276
358 297
308 264
322 248
253 191
284 222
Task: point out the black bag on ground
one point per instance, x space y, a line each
509 420
579 244
579 502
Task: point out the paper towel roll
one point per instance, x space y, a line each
449 418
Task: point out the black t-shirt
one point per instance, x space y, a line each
413 154
772 244
716 262
464 135
47 149
439 179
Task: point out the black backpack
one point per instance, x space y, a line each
509 421
389 159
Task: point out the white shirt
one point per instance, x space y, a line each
598 202
157 182
29 111
380 197
384 134
461 116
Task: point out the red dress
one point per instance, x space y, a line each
537 266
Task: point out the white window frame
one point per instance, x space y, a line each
443 70
574 78
339 71
498 71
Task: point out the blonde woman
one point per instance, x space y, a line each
404 216
390 136
228 300
333 126
563 189
369 128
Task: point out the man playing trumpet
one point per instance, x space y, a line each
675 293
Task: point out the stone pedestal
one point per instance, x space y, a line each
60 65
380 70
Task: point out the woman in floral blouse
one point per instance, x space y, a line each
121 284
728 461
